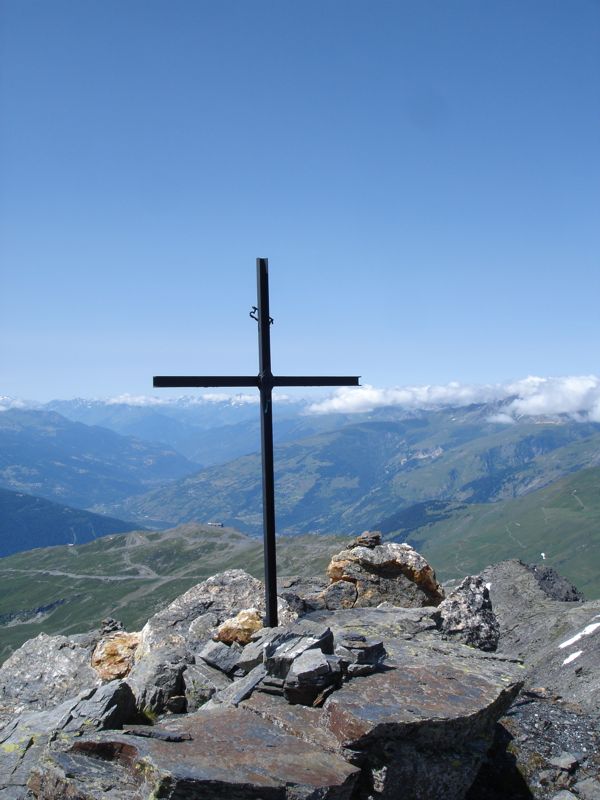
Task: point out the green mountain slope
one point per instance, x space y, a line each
131 576
27 522
561 520
347 479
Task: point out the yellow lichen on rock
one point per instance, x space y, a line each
240 628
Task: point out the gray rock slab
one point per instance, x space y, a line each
390 624
231 753
201 681
422 731
45 671
221 656
301 721
24 739
241 688
588 789
559 641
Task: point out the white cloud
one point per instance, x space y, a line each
201 399
576 396
7 403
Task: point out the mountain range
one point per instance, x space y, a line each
438 477
45 454
358 475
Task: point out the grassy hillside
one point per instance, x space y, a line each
131 576
348 479
561 520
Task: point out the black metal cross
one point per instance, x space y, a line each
264 381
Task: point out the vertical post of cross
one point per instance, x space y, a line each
265 386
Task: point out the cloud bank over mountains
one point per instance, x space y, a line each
576 396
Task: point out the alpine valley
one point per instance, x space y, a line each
464 485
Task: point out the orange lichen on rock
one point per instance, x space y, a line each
113 656
386 572
240 628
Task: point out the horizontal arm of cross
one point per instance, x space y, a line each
287 380
204 380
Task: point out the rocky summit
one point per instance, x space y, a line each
378 683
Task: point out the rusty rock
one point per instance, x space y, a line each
113 656
241 627
389 572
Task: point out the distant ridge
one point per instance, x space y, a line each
28 522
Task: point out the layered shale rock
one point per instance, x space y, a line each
391 691
171 639
543 620
219 753
45 671
25 738
421 719
558 640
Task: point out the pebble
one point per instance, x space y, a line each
588 789
565 761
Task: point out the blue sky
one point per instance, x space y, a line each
423 177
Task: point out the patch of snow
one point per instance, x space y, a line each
572 657
488 586
585 632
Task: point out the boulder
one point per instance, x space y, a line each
466 615
302 594
341 594
241 627
114 654
45 671
378 573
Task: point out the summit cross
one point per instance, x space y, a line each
265 381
